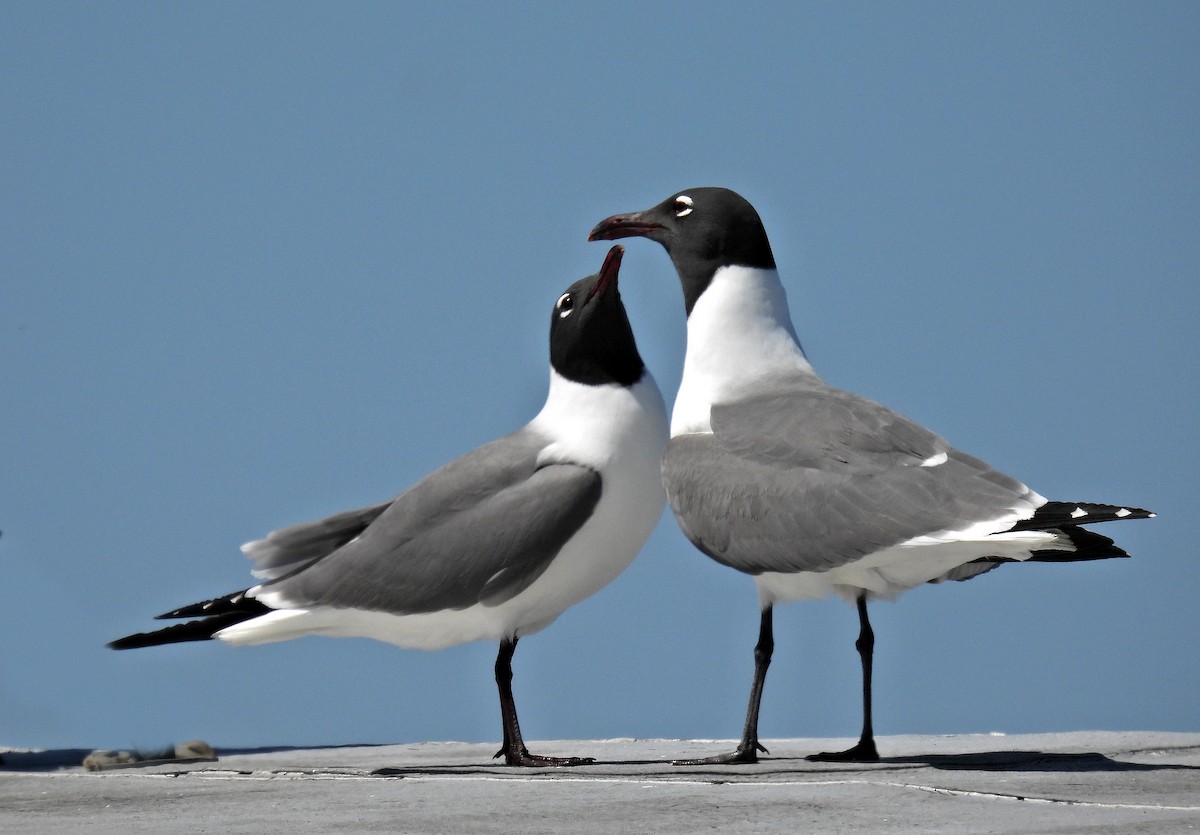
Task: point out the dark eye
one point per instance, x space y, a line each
683 206
564 305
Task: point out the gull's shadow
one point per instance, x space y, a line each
1028 761
1032 761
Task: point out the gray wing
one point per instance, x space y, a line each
814 480
288 549
479 530
823 428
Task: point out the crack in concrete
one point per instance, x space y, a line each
1032 799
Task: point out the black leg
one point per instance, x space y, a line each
508 706
514 751
864 751
748 748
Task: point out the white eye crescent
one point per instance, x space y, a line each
683 206
564 305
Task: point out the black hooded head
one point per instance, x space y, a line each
591 340
702 229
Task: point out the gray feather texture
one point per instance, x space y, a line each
823 428
294 547
479 530
813 479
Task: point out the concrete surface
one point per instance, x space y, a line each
1069 782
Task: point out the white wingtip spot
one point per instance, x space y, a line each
1077 512
935 460
1123 512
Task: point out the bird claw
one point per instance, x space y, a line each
863 752
527 760
522 757
744 755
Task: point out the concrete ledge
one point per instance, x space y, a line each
1131 781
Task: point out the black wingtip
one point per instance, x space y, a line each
235 602
194 630
1057 514
1087 545
197 630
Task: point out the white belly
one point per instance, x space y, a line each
892 571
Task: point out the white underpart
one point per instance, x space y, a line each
892 571
739 332
620 432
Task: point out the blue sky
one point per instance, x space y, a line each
264 262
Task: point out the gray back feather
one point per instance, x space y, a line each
822 428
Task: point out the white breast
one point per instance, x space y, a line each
738 333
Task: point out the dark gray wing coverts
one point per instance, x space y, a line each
479 530
813 479
289 548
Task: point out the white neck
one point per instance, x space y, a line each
595 425
739 331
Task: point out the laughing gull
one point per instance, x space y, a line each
809 489
494 545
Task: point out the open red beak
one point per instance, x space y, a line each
608 272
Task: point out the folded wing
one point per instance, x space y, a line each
479 530
813 479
